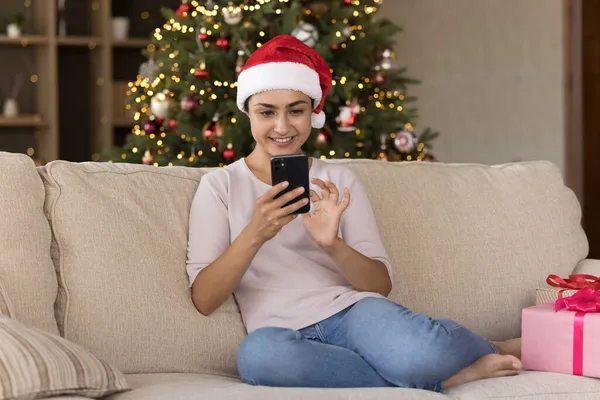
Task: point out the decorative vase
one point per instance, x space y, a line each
62 22
13 30
120 28
11 108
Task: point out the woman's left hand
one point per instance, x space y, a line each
324 223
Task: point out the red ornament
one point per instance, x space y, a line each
335 47
429 157
183 10
222 43
228 153
379 78
188 103
149 128
348 1
173 124
147 159
405 141
324 137
209 132
347 116
201 73
202 36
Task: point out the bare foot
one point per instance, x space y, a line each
511 347
488 366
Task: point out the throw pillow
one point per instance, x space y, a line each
5 307
36 364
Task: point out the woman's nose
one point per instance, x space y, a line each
282 123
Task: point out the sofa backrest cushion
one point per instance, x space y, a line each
468 242
472 242
27 277
120 245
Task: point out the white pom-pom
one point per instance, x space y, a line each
318 120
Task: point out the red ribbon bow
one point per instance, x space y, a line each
586 300
575 281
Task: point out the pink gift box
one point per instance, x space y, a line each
560 341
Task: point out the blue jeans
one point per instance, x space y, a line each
373 343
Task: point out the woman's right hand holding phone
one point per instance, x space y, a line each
269 214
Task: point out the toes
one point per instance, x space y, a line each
510 372
508 363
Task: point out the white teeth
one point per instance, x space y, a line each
282 140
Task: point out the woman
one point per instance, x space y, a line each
312 289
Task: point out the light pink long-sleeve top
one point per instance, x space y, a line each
291 282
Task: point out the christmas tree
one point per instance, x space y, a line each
183 101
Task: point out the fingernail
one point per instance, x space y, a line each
300 189
285 184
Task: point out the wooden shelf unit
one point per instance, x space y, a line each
133 42
86 41
24 40
47 45
23 121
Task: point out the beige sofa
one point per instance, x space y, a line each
96 253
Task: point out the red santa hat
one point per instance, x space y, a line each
284 62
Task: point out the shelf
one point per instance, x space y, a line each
133 42
84 41
24 40
22 121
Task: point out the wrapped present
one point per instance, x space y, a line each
559 287
562 336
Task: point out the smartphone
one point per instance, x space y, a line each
294 169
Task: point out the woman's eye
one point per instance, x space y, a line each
297 112
266 113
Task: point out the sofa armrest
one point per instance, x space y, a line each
588 266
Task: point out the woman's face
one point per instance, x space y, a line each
280 121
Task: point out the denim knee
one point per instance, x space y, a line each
259 352
449 324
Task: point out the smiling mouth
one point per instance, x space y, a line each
282 140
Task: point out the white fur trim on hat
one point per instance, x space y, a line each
275 76
318 120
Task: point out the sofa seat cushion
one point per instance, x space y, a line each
120 234
530 385
27 276
472 242
192 387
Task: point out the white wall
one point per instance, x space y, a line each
492 76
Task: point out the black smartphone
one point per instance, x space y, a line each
294 169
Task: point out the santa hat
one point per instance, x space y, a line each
284 62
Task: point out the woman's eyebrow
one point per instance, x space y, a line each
293 104
265 105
